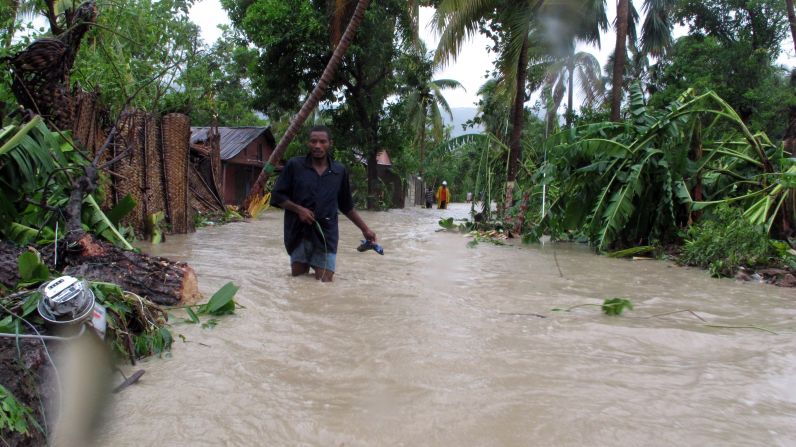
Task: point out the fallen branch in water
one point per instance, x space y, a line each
616 305
675 312
742 327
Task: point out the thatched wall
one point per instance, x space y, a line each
154 164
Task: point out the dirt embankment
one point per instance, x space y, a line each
25 373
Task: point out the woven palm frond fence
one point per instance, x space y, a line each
176 139
154 167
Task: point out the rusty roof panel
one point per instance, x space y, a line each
233 139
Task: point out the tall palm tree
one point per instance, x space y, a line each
311 102
620 52
493 108
560 80
561 26
656 38
792 21
458 20
426 105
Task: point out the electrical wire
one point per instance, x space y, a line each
45 337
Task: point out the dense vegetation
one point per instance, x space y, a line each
671 126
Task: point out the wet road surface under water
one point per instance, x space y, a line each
438 344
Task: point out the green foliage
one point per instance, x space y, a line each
724 242
216 84
610 306
36 169
136 327
15 416
615 306
154 226
490 237
639 174
139 46
31 269
123 208
292 39
101 224
153 342
25 308
221 303
293 35
447 223
785 253
731 48
631 251
206 219
475 163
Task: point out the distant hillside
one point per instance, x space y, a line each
460 116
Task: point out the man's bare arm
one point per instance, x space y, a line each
354 217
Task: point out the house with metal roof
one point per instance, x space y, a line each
244 151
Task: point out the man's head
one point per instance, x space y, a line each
444 184
320 141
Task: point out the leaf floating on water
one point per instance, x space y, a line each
221 303
615 306
446 223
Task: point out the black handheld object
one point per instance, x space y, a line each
368 245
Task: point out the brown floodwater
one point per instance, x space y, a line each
438 344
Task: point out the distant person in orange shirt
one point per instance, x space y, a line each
443 196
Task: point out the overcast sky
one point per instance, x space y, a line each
470 66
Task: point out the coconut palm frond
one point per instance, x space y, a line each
656 32
457 21
437 123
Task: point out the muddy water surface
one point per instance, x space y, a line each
437 344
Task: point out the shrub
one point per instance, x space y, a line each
724 242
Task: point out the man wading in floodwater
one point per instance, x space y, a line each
311 189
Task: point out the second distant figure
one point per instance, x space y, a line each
429 197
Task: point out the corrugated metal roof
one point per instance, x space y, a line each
382 158
233 139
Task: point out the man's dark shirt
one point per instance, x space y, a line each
322 194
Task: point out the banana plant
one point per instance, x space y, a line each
639 175
37 168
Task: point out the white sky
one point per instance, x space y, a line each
471 65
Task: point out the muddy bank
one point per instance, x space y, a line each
26 374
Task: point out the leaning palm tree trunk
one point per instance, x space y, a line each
309 104
792 21
622 11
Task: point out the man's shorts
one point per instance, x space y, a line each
307 253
